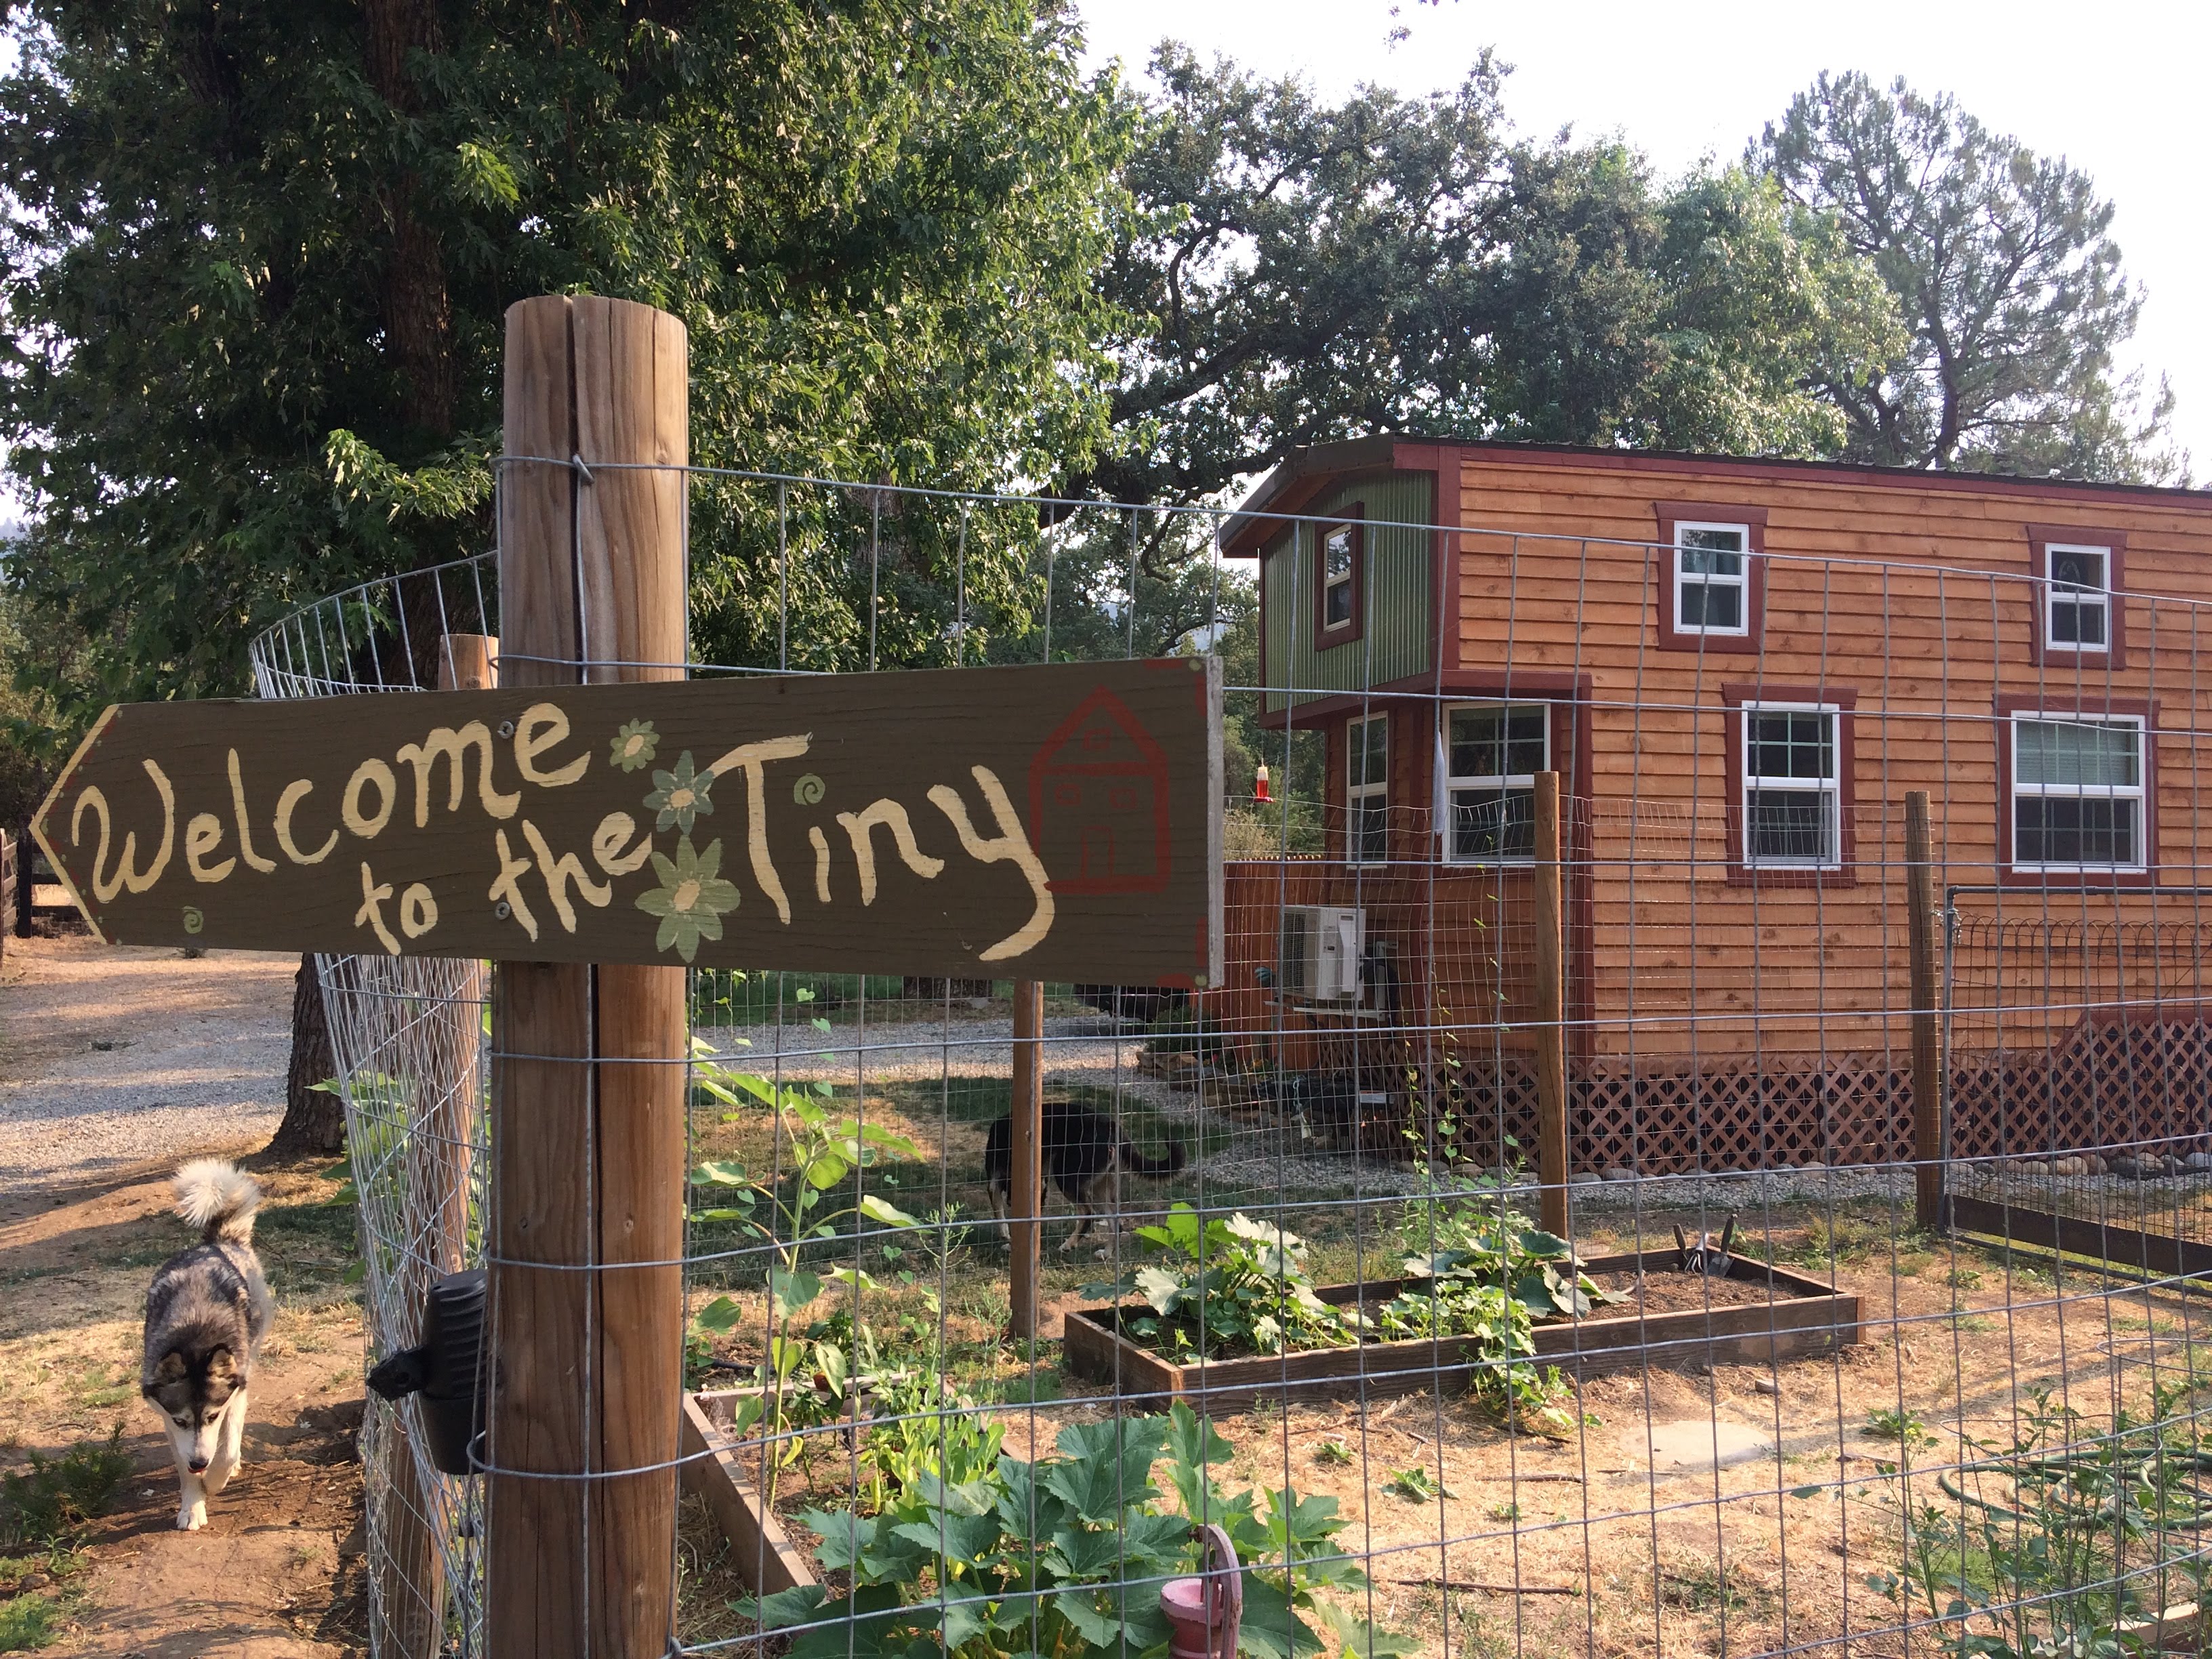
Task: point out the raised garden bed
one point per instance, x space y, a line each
1759 1315
759 1549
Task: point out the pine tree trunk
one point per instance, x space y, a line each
314 1119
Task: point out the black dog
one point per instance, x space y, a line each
1085 1155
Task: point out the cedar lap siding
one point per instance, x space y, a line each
1728 1010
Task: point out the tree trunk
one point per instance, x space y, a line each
314 1119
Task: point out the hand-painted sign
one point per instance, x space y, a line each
1056 822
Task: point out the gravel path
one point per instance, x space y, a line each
1077 1050
113 1057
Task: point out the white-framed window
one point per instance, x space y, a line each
1493 752
1367 790
1712 578
2077 602
1340 551
1792 785
2078 793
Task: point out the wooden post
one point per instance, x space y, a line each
435 1211
1025 1227
1550 1020
587 1079
1927 1036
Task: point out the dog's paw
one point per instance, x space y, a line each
192 1517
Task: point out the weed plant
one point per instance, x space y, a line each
2048 1545
48 1505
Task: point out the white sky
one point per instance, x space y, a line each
2120 90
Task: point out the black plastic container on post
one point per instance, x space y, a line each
445 1368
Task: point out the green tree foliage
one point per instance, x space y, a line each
1298 271
2001 263
259 255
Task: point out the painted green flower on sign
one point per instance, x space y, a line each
634 745
692 898
679 795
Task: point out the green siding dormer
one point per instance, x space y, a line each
1397 636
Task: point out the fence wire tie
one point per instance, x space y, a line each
576 462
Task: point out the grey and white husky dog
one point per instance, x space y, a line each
206 1313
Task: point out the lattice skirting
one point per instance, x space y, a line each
2107 1085
1855 1110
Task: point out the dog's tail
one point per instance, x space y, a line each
219 1199
1167 1164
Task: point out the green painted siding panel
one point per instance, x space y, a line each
1398 640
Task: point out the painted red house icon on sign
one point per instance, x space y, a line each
1098 802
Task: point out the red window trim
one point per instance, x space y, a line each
2039 539
1353 517
1735 695
2146 709
1753 518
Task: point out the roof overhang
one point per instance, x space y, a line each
1304 473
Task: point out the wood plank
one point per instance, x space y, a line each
761 1549
2152 1253
1090 852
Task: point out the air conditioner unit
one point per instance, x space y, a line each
1323 948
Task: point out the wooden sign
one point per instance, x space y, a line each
1058 822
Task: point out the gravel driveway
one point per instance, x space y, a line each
114 1057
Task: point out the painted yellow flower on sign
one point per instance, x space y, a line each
634 745
692 898
680 795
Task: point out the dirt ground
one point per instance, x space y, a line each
1602 1542
277 1570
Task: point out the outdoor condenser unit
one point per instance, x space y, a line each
1323 946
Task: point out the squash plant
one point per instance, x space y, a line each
1063 1558
1230 1286
1478 1269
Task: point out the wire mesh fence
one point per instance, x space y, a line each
1751 1403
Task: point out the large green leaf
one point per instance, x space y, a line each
720 1315
785 1608
962 1539
878 1209
1091 1615
1271 1628
1104 1468
1356 1638
1078 1555
793 1289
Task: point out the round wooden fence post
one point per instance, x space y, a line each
587 1078
1927 1014
1551 1021
434 1202
1026 1206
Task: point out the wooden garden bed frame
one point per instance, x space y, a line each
762 1552
1806 1316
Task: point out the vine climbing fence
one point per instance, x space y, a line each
1329 1321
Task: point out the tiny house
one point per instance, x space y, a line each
1738 668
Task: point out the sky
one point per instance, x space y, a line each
2117 88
